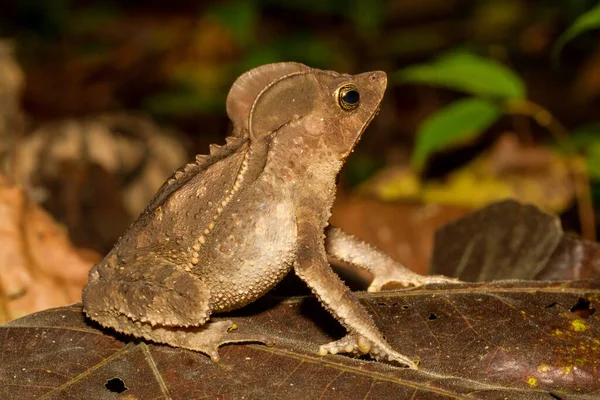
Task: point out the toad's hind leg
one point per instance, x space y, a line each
163 304
154 292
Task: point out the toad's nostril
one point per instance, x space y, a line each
378 76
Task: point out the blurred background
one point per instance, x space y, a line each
101 100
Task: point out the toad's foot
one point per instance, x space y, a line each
205 339
215 334
403 278
358 345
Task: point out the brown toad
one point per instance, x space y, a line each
222 231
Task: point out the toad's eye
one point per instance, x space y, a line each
348 97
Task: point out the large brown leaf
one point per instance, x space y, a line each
510 240
517 340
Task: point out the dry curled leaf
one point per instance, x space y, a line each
517 340
96 174
38 266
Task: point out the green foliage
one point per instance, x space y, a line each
465 119
459 122
586 22
468 73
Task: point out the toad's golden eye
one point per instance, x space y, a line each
348 97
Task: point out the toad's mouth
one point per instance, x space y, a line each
359 136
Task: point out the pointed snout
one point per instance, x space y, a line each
377 79
372 85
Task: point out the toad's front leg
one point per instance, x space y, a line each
341 246
363 336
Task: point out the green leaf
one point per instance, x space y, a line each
468 73
588 21
457 123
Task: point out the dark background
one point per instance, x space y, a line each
175 61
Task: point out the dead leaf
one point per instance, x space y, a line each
573 258
517 340
509 240
38 266
96 174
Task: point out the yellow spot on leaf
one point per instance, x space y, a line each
543 368
567 370
579 325
532 381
